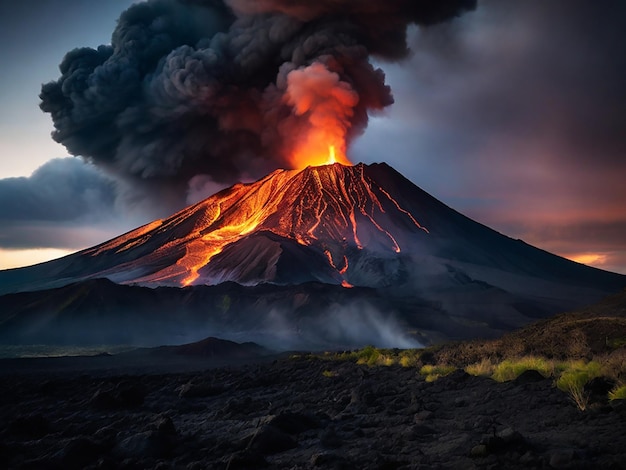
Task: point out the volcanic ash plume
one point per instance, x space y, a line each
231 89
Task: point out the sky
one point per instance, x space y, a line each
513 113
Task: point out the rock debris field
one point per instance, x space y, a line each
300 413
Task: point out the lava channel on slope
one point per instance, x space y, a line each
332 211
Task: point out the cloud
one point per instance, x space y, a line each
60 190
513 114
64 204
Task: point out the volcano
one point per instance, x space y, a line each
362 226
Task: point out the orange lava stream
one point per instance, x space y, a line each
351 214
402 210
375 200
337 205
330 259
319 210
128 240
250 209
345 265
356 237
211 245
332 263
364 212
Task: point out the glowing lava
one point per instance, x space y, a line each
334 210
318 155
324 106
332 157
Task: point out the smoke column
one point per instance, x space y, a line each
223 90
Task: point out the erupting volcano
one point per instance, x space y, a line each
321 216
301 244
361 225
190 95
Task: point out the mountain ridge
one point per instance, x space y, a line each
326 224
357 254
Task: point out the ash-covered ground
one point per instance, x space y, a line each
295 413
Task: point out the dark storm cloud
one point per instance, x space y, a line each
190 88
60 190
515 114
64 203
534 73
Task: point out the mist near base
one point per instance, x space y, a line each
340 327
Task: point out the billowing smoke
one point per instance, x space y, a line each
230 89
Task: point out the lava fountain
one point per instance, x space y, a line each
325 105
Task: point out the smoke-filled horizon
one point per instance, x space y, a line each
511 114
227 90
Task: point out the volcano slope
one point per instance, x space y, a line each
418 263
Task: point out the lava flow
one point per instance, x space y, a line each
333 212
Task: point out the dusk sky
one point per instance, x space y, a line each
514 114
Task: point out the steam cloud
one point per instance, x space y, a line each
229 89
348 326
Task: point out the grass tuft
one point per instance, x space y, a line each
570 376
574 378
484 368
510 369
368 355
408 361
432 373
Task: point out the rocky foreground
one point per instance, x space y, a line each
301 412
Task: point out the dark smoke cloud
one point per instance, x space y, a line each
514 115
61 190
197 87
63 204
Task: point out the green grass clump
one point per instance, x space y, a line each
433 372
618 393
329 374
574 378
510 369
484 368
387 360
368 355
408 361
372 356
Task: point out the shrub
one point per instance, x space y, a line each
368 355
408 361
432 373
574 378
614 365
